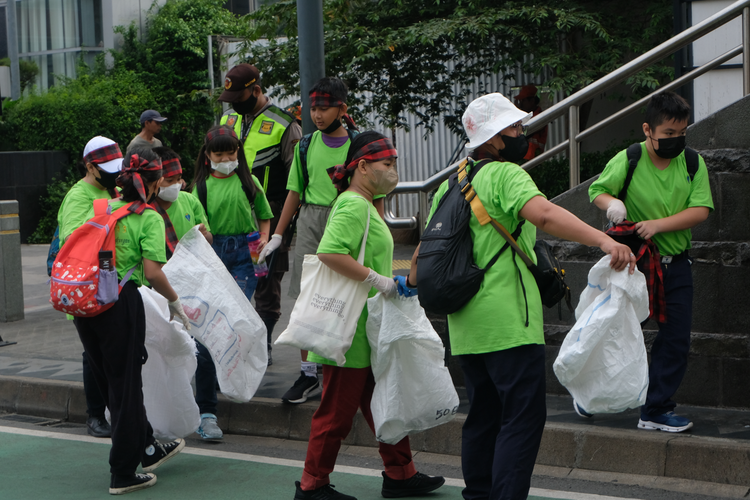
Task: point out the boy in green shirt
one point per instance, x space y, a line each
666 202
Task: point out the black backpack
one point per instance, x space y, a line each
447 274
634 154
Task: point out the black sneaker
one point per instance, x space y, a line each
323 493
417 485
98 427
305 387
158 453
119 485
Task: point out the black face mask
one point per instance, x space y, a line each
245 107
515 148
334 126
107 180
670 147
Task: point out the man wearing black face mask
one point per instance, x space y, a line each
665 201
102 160
268 135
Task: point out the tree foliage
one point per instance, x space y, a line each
424 56
27 69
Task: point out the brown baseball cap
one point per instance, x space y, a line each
526 91
238 79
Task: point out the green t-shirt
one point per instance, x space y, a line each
656 194
320 190
494 319
185 212
75 207
137 237
343 235
228 208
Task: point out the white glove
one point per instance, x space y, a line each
382 284
616 211
175 309
273 244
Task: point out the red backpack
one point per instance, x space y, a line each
77 285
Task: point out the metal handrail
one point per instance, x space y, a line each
571 104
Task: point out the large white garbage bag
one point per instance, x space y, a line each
221 317
602 361
167 393
413 388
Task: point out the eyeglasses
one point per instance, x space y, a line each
519 127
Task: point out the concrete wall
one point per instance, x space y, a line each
24 176
720 351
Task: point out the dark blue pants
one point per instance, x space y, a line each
233 252
503 429
669 354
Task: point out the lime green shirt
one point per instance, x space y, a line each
137 237
228 208
320 190
185 212
343 235
494 319
656 194
75 207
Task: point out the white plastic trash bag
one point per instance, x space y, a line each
221 317
413 388
602 361
167 393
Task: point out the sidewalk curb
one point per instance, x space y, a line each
571 446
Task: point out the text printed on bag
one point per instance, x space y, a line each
444 413
330 304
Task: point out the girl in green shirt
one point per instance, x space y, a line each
369 171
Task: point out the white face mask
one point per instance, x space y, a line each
225 167
170 193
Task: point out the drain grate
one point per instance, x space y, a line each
29 419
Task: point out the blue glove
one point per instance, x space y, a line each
403 289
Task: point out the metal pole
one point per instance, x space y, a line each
746 50
574 155
311 54
15 72
210 67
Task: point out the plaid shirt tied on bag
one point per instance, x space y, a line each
648 261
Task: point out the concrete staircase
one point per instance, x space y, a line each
719 366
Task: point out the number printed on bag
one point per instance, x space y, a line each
446 412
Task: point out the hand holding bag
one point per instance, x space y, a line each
325 316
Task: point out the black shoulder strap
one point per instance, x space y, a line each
692 160
304 145
202 194
634 154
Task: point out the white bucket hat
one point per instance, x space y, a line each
488 115
99 142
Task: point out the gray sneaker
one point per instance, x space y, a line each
209 429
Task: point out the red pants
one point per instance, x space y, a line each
345 390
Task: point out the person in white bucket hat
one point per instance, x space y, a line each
498 336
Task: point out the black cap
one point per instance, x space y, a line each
150 114
238 79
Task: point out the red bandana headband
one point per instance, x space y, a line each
373 151
103 155
223 130
323 100
132 173
171 167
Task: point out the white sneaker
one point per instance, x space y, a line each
209 429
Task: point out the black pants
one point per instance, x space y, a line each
96 401
669 354
114 343
268 289
503 430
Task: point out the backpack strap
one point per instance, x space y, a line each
692 160
634 155
304 145
464 180
203 194
101 207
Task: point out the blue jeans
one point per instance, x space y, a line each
503 430
669 354
233 252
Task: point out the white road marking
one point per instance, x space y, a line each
360 471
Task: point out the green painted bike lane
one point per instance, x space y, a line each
43 465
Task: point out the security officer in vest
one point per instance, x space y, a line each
268 134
